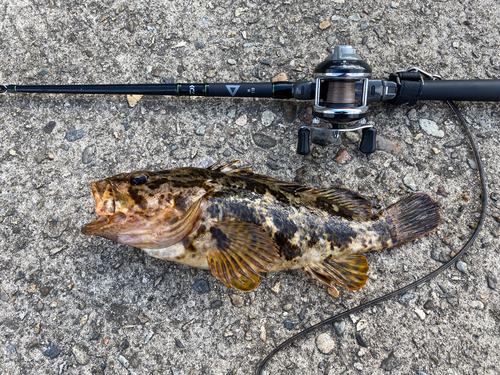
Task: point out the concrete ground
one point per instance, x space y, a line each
71 304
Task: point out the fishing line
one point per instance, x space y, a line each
418 282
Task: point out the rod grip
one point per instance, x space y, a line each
486 90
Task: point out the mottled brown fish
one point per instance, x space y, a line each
238 224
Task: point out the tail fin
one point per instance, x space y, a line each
411 218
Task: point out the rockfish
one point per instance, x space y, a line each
239 224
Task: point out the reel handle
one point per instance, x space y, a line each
303 141
368 143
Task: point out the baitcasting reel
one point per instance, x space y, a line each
341 96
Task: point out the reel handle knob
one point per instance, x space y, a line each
303 141
368 141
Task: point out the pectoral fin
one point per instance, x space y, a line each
348 271
238 252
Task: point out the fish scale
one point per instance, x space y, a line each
239 224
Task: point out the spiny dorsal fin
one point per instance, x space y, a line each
238 252
348 271
229 168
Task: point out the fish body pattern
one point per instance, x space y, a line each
239 224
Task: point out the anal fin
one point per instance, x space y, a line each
348 271
238 252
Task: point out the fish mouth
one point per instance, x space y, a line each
105 207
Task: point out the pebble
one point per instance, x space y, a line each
492 282
429 305
267 118
263 334
343 157
47 129
461 266
472 163
51 351
54 228
74 134
287 307
206 162
440 256
268 24
388 145
43 73
453 143
302 313
339 327
216 304
324 25
421 373
394 4
330 40
10 350
363 172
389 363
253 44
242 120
88 154
409 181
200 286
81 355
362 324
226 153
431 128
281 77
273 166
175 371
355 17
453 300
201 130
277 288
420 313
264 141
478 305
360 340
407 297
289 324
211 73
363 26
237 300
336 18
148 337
231 62
45 290
5 297
325 343
323 138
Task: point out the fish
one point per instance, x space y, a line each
239 224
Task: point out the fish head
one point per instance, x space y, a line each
134 208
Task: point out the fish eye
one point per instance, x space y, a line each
139 179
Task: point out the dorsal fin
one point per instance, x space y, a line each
338 200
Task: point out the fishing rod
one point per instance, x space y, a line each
341 91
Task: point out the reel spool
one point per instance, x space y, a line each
338 81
